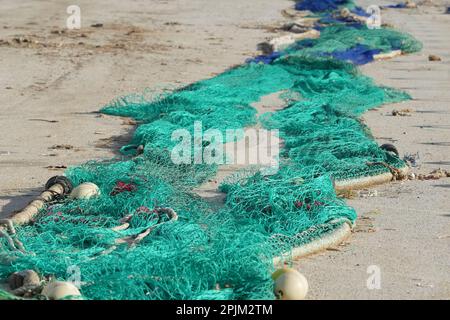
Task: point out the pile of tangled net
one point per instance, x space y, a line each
225 253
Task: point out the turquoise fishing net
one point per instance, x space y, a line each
341 37
210 252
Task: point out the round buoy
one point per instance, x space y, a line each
85 191
390 148
62 180
23 278
289 284
57 290
410 4
345 12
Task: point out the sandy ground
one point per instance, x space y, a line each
53 82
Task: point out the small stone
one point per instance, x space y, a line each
433 57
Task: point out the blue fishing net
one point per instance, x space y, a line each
401 5
328 19
359 54
268 58
319 5
360 11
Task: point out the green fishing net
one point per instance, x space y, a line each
210 252
341 38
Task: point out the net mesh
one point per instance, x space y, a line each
210 252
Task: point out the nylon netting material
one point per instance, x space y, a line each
225 253
320 6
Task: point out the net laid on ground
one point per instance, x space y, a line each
226 253
356 45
